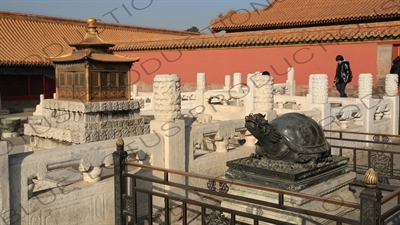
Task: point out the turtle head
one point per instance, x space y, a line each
257 125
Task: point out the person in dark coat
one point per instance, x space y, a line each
396 68
343 75
266 73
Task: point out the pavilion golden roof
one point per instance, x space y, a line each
92 47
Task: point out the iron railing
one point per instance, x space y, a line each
375 150
126 198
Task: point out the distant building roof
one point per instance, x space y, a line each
306 35
30 40
299 13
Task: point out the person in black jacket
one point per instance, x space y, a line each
396 68
343 75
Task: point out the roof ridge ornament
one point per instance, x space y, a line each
94 48
92 38
91 26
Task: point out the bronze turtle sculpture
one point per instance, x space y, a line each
292 137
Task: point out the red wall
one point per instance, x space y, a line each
216 63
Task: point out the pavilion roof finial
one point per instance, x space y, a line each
92 38
91 26
91 22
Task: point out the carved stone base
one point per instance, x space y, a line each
68 122
284 175
335 188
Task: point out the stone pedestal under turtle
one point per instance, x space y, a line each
291 137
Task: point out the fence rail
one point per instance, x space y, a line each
369 150
126 202
223 182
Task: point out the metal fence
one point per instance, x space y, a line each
377 151
368 210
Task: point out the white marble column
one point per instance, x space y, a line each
237 82
318 99
167 97
391 92
168 124
237 88
227 86
263 95
391 85
249 98
365 86
201 88
310 84
319 89
134 92
290 82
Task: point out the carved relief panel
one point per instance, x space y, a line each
108 85
71 85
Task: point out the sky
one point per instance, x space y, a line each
168 14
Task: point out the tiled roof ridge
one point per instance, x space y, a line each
326 34
80 22
271 4
281 14
221 16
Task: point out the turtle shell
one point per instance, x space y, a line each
301 133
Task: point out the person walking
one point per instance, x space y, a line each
396 67
396 70
343 75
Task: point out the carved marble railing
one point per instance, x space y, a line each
231 94
218 136
188 100
281 89
34 195
291 103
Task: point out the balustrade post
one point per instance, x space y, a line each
263 96
227 86
201 88
291 82
391 92
371 197
249 98
120 186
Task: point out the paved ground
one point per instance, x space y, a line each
16 144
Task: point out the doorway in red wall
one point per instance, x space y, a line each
396 50
49 87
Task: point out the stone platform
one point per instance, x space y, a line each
330 180
66 123
287 176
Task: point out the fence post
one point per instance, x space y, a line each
119 157
371 197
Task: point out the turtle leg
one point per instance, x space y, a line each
258 153
310 164
326 157
255 156
308 161
299 158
